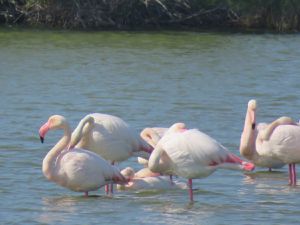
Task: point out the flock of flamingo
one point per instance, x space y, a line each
83 160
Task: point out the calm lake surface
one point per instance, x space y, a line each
148 79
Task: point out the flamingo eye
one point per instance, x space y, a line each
253 126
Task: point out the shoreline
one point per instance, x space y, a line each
153 15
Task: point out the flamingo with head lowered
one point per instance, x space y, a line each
271 145
76 169
110 137
147 180
191 154
153 134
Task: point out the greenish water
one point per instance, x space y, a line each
148 79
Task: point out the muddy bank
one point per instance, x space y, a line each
275 15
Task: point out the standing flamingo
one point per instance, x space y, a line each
272 146
76 169
192 154
110 137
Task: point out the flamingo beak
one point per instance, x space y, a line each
43 130
253 119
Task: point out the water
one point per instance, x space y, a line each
148 79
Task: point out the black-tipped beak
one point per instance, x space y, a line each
42 139
253 126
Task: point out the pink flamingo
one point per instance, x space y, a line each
192 154
110 137
145 180
153 135
273 145
76 169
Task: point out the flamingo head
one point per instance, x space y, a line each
54 122
252 105
128 173
177 127
142 161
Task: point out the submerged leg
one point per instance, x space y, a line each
106 189
290 174
293 175
190 184
86 194
111 186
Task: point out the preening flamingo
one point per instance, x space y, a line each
110 137
192 154
153 134
76 169
145 172
147 180
273 145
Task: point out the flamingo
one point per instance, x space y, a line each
110 137
76 169
191 154
145 180
145 172
153 135
273 145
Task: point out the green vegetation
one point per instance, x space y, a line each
275 15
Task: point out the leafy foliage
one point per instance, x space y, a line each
280 15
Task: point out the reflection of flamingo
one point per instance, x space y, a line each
76 169
192 154
109 137
145 180
273 146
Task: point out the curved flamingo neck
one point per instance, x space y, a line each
154 163
49 162
82 130
248 138
150 136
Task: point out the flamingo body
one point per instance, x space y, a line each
269 145
146 180
110 137
274 145
283 144
76 169
192 154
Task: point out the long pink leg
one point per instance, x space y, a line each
290 174
190 184
106 189
294 175
112 185
109 187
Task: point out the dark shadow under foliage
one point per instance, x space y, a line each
277 15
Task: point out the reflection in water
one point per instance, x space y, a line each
54 209
270 183
251 178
